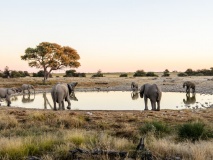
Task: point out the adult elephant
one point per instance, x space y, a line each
61 92
152 92
27 87
6 93
188 85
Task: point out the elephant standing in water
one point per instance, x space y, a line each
61 92
27 87
152 92
134 86
188 85
6 93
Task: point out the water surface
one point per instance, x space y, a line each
114 100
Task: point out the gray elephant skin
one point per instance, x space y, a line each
188 85
6 93
153 93
61 92
134 86
27 87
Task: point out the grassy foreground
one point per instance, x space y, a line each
51 134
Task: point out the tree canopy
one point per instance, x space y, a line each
51 56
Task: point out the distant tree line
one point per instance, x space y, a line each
199 72
13 74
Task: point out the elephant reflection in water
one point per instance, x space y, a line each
189 99
46 101
134 95
27 99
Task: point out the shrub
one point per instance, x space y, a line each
151 74
139 73
182 74
123 75
41 74
166 73
73 73
158 128
98 74
192 131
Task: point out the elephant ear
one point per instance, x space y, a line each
70 89
142 91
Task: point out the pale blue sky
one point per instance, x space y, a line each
111 35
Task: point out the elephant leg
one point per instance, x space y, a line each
62 105
54 106
8 101
69 103
145 101
158 105
153 105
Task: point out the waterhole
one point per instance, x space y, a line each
114 100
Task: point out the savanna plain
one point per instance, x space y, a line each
52 135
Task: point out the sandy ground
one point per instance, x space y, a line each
204 84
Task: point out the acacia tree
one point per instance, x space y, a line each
51 56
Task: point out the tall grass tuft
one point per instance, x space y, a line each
159 129
191 131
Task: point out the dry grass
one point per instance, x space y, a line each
167 147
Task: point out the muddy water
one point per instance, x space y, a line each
117 100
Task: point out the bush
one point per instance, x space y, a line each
41 74
139 73
182 74
191 131
166 73
123 75
98 74
158 128
151 74
73 73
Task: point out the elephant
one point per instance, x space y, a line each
188 85
134 95
134 86
189 99
6 93
73 97
61 92
27 87
153 92
73 85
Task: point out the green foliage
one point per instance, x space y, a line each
73 73
191 131
200 72
151 74
13 74
123 75
98 74
156 127
139 73
182 74
41 74
166 73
